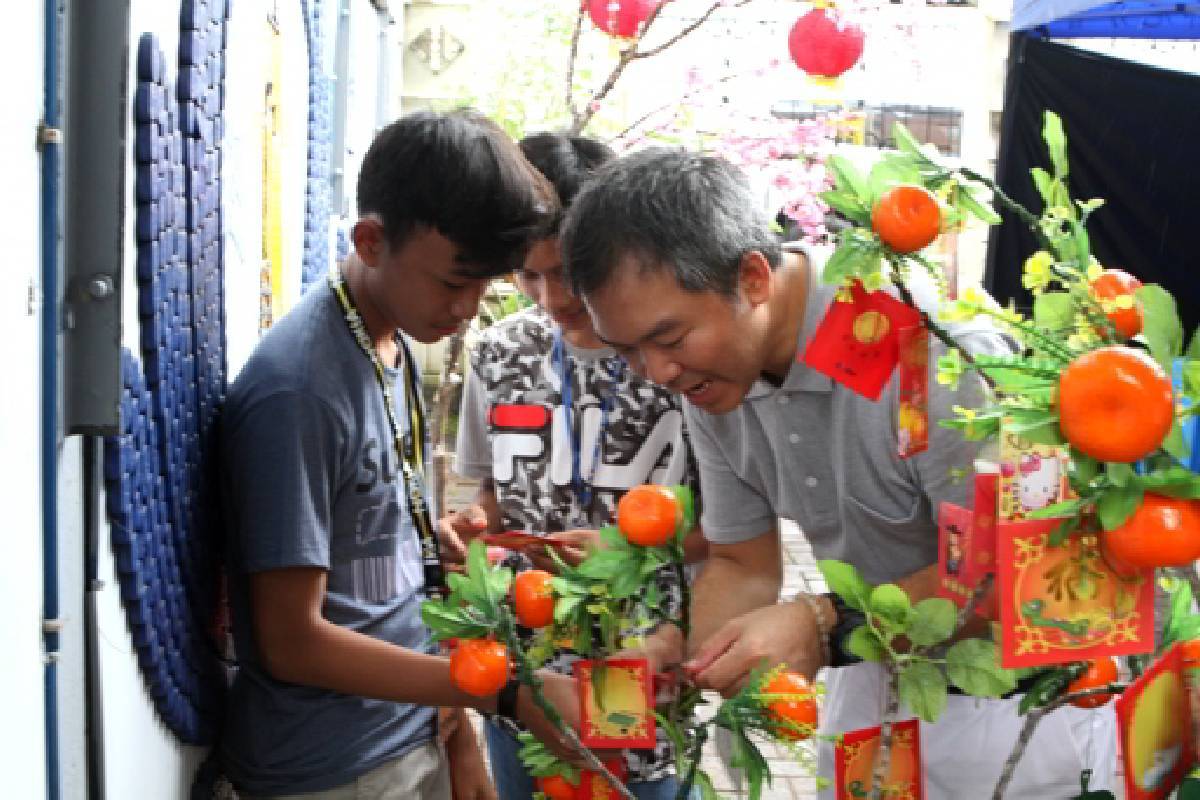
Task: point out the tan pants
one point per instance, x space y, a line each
420 773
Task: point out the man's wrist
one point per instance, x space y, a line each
847 620
823 619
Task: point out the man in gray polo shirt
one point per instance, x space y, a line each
683 277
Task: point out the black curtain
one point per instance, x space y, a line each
1133 135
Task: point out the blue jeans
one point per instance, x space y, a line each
514 783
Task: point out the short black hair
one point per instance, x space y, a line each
566 161
460 174
690 213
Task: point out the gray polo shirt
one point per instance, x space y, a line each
816 452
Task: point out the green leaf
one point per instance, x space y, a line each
849 205
1193 351
1056 143
1054 311
1049 686
1181 611
905 141
1063 509
1160 324
1115 506
1044 184
846 582
864 643
1175 444
1173 481
974 666
448 623
1063 530
604 565
848 178
858 254
1119 474
889 172
565 606
965 199
933 621
687 507
626 584
890 604
923 689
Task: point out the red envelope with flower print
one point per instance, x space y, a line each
857 343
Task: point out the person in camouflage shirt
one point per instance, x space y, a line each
556 428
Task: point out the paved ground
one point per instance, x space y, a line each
792 781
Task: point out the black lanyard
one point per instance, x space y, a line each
409 449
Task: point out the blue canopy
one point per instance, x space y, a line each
1128 19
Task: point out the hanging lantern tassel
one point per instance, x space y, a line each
824 44
620 18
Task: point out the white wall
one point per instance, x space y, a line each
22 755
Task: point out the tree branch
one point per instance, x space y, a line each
883 756
1031 721
569 91
583 116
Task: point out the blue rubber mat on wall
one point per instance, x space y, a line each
165 545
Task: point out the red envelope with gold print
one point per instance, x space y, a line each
616 707
857 342
1065 603
854 765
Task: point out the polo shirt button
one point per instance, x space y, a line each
811 482
794 438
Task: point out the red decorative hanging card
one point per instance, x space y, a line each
1065 603
912 424
854 765
616 703
857 342
1154 723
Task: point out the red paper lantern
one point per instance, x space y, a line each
620 17
824 44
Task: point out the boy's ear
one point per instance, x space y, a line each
368 237
754 277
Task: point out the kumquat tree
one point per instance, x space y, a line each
1098 403
590 605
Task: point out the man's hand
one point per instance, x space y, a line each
784 633
456 531
468 773
572 547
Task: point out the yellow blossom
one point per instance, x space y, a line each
1036 274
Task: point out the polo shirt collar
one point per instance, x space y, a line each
801 377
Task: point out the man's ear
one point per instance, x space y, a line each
368 237
754 277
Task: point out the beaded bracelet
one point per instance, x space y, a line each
824 624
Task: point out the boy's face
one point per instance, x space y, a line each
703 345
422 285
541 279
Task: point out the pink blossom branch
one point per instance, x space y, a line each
581 117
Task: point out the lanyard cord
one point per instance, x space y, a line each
582 484
409 449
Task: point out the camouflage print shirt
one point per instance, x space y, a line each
513 431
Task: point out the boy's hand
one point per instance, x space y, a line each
456 531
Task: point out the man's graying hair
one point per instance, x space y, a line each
669 209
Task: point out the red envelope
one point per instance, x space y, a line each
854 763
857 343
1065 603
1155 726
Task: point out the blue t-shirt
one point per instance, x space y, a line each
310 477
